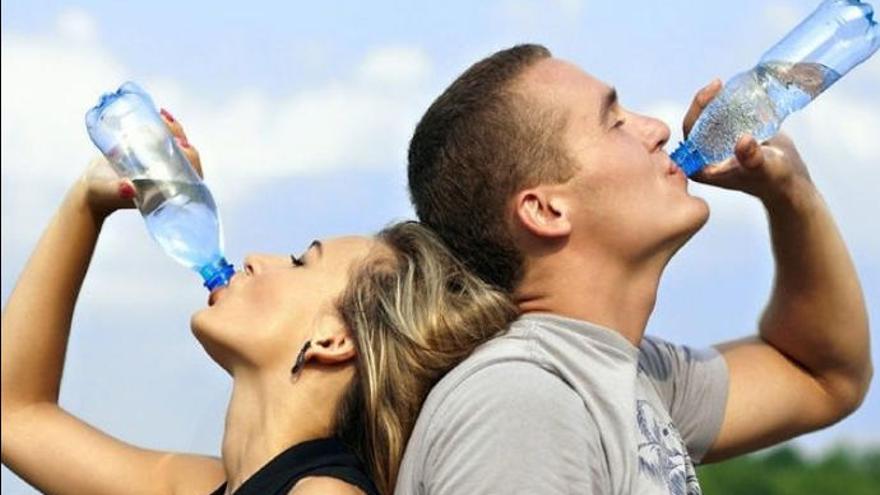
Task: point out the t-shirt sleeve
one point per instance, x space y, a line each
693 383
513 428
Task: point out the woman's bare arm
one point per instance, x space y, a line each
48 447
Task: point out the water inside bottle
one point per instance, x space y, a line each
182 217
756 102
793 86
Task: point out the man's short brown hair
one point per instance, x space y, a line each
479 143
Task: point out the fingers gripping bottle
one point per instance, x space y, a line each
836 37
177 206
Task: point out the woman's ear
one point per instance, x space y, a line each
332 348
543 212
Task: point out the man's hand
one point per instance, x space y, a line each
810 364
767 171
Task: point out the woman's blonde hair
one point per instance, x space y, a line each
414 314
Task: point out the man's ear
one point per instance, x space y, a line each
543 212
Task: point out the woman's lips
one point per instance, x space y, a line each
212 298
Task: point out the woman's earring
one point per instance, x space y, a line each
300 359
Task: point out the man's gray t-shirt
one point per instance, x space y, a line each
558 405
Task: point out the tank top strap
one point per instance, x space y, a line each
322 457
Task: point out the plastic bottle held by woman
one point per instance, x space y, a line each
177 206
836 37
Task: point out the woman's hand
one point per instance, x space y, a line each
106 192
51 449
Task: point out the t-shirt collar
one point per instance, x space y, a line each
591 331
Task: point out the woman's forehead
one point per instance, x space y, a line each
348 247
349 242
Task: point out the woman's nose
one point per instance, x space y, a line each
250 264
254 264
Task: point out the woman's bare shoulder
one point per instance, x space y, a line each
318 485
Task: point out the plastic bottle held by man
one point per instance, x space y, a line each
836 37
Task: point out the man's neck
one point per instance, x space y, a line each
263 420
600 290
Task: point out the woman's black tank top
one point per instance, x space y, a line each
322 457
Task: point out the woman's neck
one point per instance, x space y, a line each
265 417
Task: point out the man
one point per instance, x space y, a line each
545 185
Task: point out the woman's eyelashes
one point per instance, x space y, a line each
296 261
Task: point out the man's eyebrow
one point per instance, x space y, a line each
608 102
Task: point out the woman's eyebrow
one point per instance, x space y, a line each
316 244
608 102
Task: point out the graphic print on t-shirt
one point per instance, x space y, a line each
663 457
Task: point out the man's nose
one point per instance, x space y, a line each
655 133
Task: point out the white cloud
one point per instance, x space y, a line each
363 120
396 65
77 25
872 69
571 7
528 13
46 87
47 84
338 125
838 123
50 80
518 11
837 136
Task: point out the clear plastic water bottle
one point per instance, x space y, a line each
177 206
839 35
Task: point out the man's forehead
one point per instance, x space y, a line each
561 74
568 88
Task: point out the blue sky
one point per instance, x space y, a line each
302 113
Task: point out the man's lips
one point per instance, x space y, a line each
675 172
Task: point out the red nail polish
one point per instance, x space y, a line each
167 115
183 142
126 191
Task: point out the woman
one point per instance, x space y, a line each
331 354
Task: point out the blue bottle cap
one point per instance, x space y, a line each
688 158
217 274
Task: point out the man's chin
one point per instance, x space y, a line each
698 218
701 214
691 222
